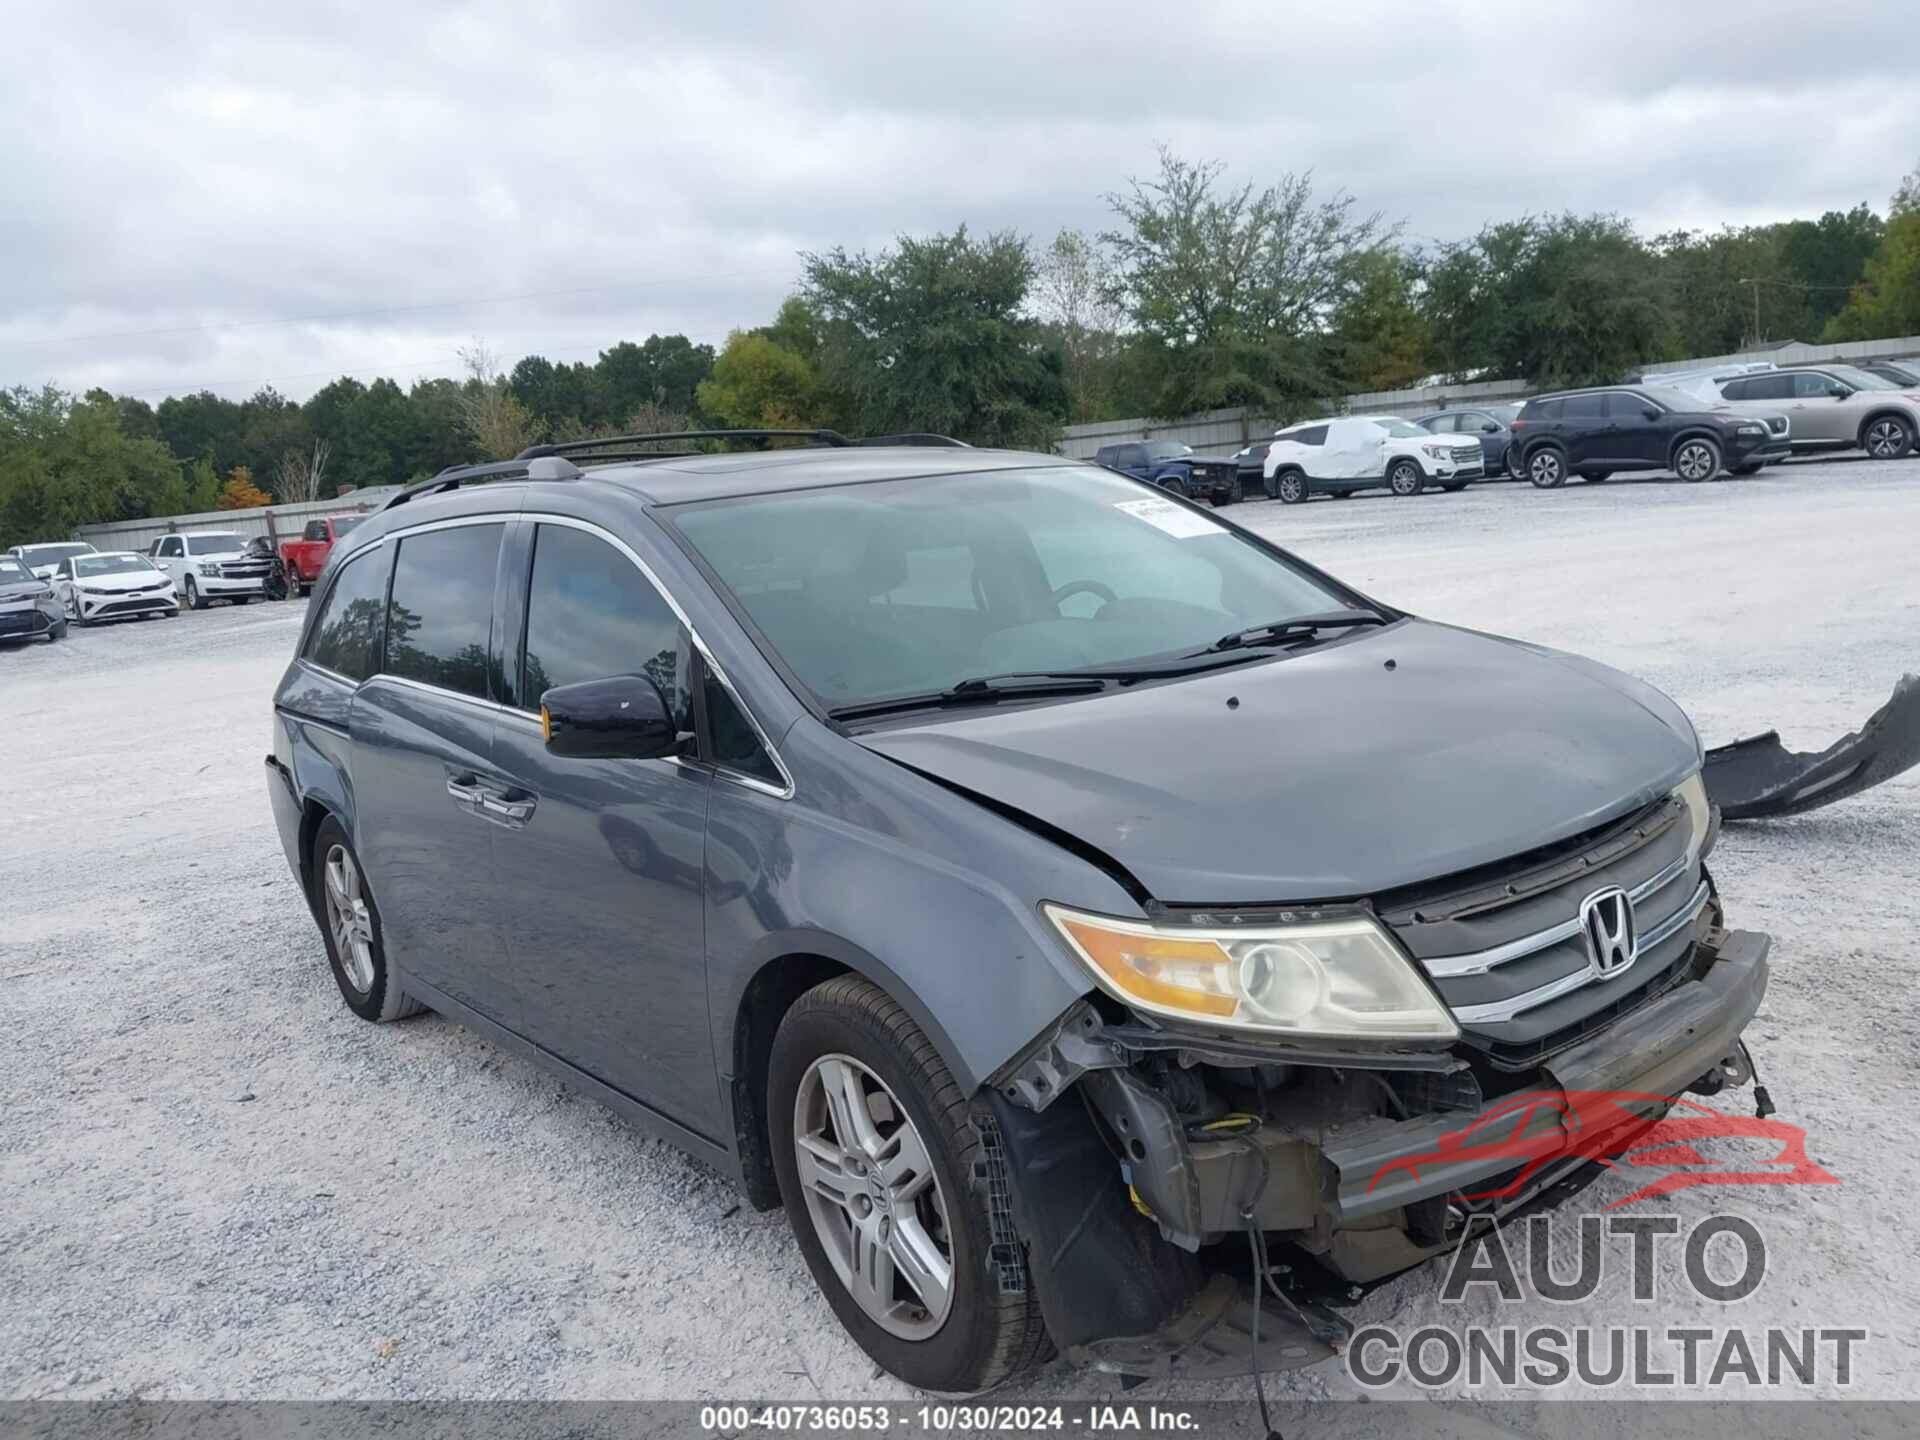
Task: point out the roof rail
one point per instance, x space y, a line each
520 468
915 437
628 446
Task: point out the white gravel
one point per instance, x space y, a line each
215 1182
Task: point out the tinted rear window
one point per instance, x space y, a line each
1583 407
346 637
440 621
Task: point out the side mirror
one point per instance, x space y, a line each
1841 392
1490 428
1651 413
623 717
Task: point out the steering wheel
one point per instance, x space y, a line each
1083 587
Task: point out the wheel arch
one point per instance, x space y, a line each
775 984
1884 412
1695 432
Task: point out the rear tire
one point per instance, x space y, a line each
869 1098
1547 468
1290 487
350 929
1695 459
1594 477
1405 478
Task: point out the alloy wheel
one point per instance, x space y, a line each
348 919
1545 470
1695 461
874 1199
1886 438
1406 479
1290 489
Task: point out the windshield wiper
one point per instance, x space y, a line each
979 690
1300 627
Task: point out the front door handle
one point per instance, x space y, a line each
512 811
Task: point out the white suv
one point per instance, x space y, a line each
1367 452
211 565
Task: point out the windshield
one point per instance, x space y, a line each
220 544
907 587
1404 430
109 565
1859 379
51 554
1505 414
12 572
340 527
1167 450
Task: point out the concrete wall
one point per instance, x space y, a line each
1228 430
283 521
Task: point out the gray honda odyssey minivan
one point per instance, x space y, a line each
1061 900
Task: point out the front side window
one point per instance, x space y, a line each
896 588
346 636
592 614
1808 385
1168 450
170 545
440 618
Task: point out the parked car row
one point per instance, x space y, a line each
1697 426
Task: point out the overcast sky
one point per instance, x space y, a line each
224 194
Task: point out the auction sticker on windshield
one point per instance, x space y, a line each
1176 520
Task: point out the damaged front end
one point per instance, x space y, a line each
1759 778
1154 1161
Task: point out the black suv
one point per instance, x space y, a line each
1593 433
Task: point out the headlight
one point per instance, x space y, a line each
1438 452
46 594
91 590
1750 429
1337 978
1693 790
210 567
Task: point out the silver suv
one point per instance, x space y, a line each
1833 406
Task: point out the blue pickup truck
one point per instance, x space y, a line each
1173 466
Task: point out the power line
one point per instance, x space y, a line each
389 310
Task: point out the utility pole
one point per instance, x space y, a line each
1755 283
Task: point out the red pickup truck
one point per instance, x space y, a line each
306 557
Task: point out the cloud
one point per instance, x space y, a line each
236 194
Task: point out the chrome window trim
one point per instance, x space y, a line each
1497 1010
1478 962
545 517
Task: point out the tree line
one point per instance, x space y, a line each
1202 293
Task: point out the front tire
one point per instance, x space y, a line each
1176 486
1405 478
1887 437
1696 459
1290 487
879 1164
57 631
195 601
350 926
1547 468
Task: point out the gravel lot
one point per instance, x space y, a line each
215 1182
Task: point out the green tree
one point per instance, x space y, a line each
65 463
1886 302
1229 289
758 383
1377 336
934 335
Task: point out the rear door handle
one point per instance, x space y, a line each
467 792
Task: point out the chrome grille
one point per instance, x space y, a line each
1506 950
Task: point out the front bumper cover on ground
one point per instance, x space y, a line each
1759 778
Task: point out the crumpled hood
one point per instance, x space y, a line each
1335 774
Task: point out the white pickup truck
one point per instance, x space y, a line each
211 565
